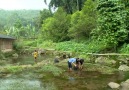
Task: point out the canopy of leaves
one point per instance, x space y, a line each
111 22
56 27
83 22
69 6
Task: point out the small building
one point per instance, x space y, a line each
6 43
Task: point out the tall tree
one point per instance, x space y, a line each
56 27
44 14
84 21
69 6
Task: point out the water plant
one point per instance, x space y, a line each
52 68
13 69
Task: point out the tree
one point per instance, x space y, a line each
69 6
111 22
56 27
126 3
83 22
44 14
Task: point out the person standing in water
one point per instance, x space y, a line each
71 62
35 55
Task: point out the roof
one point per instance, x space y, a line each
6 36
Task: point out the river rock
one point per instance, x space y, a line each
100 60
41 51
56 60
123 68
114 85
15 55
105 61
125 85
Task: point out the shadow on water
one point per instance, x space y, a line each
75 80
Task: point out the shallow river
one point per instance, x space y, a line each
76 80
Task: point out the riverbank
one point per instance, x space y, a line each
48 71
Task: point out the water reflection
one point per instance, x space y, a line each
76 80
71 79
24 84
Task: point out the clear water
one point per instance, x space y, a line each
24 84
76 80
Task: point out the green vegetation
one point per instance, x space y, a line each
77 26
51 69
1 55
87 47
13 69
82 26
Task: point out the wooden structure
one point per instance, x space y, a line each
6 43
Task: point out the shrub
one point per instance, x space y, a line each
53 69
124 49
17 46
14 69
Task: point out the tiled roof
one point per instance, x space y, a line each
5 36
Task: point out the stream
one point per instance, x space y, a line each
76 80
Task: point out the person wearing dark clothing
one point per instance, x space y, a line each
79 63
71 63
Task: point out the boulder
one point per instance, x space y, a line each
114 85
125 85
105 61
123 68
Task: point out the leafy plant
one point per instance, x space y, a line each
124 49
111 22
56 27
82 48
14 69
53 69
83 22
47 44
17 45
2 55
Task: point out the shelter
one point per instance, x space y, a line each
6 43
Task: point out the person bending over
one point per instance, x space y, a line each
71 63
81 63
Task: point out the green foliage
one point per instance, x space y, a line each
13 69
56 28
47 44
124 49
17 46
2 55
44 14
8 54
93 46
10 17
111 22
83 22
69 6
53 69
16 22
32 43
